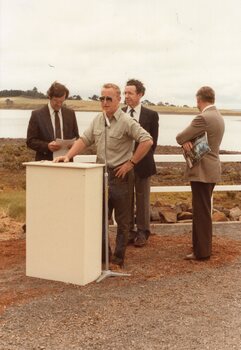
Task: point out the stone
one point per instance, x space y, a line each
167 214
154 213
182 206
219 216
185 215
221 209
235 213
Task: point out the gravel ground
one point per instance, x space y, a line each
200 310
197 310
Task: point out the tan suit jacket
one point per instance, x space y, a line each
209 168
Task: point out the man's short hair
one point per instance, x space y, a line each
140 88
206 94
112 86
57 90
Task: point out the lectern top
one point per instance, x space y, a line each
48 163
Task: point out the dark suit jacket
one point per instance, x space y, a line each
40 131
149 121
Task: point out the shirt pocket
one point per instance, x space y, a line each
97 133
116 140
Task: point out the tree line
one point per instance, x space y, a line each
34 93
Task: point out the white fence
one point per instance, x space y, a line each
175 158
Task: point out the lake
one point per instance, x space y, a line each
14 123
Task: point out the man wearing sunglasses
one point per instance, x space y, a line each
121 131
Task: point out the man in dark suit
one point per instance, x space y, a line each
203 175
148 119
50 122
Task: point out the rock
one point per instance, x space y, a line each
221 209
181 207
154 213
235 213
157 204
185 215
167 214
219 216
178 208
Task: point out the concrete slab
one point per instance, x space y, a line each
230 229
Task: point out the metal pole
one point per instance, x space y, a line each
107 272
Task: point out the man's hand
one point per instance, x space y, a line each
53 146
187 146
123 169
64 159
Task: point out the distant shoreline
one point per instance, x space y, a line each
94 106
160 149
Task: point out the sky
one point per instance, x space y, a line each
173 46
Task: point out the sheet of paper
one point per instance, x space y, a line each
65 146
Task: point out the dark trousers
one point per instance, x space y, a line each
141 196
202 218
119 200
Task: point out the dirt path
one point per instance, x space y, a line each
167 303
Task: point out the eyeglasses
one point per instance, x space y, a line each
105 98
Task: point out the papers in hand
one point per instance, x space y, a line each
65 146
200 148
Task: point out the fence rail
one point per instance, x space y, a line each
175 158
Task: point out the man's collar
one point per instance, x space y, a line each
207 107
117 113
136 108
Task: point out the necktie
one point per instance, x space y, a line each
57 125
132 112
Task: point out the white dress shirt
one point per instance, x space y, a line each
136 113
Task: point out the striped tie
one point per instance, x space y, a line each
132 112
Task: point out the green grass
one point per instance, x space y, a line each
13 203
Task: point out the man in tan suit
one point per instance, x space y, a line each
204 175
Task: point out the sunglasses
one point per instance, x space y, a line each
105 98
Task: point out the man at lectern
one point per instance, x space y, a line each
51 124
121 130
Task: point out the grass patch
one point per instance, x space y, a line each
14 204
171 198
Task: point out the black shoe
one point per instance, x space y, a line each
140 239
147 233
192 256
132 236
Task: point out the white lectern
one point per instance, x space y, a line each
64 221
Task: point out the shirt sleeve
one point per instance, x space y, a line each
138 133
88 135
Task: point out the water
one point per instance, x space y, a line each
14 123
